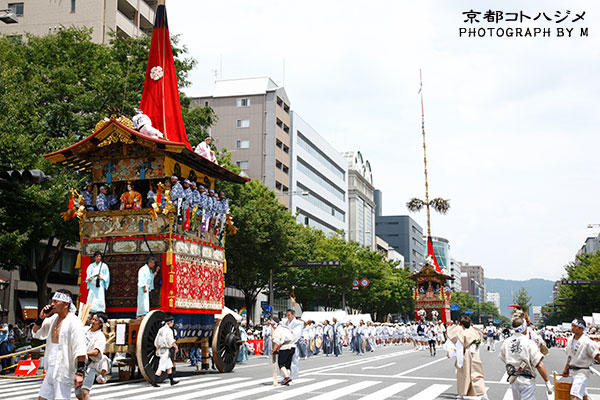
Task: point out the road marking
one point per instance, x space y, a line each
424 378
251 366
303 390
388 391
251 392
146 389
504 377
379 367
341 392
431 393
219 389
595 371
355 362
420 366
508 395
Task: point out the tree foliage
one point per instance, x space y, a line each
576 300
523 299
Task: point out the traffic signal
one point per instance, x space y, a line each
25 176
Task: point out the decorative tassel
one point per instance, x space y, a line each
225 267
159 195
71 205
186 224
169 257
78 262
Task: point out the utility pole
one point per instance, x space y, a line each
271 297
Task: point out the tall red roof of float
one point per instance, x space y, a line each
160 99
431 253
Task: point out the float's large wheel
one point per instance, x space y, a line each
145 351
226 343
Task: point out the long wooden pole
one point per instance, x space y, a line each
425 158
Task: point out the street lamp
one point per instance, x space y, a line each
8 16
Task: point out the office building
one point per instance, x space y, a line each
404 235
454 271
254 124
536 314
494 298
591 246
441 248
318 176
475 272
377 197
390 253
472 286
361 207
127 18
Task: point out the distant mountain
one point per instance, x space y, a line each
540 291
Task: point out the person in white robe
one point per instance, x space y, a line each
98 280
203 150
522 358
64 360
267 339
297 326
581 353
163 342
145 284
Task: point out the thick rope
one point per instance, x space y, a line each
22 352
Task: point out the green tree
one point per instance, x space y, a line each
53 90
264 240
580 299
523 299
465 302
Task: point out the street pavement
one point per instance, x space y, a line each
392 372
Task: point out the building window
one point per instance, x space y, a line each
206 103
286 169
279 102
286 149
242 164
242 144
279 144
73 5
286 129
278 185
245 102
243 123
278 164
285 189
17 8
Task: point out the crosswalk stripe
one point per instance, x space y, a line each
431 393
145 390
504 377
18 388
388 391
219 389
336 394
508 395
304 389
257 390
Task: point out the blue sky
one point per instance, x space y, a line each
512 123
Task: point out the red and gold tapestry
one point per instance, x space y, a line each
199 283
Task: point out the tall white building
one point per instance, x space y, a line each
318 180
493 297
361 203
455 271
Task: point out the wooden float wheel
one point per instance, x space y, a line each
145 351
226 343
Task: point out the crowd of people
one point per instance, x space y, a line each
198 207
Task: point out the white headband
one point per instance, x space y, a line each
521 328
59 296
578 323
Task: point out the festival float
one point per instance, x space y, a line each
188 248
431 293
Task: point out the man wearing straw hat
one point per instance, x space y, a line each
64 358
522 357
95 341
581 353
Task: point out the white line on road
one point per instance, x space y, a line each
346 390
420 366
508 395
136 391
251 366
504 377
303 390
379 366
388 391
219 389
431 393
252 392
354 362
595 371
